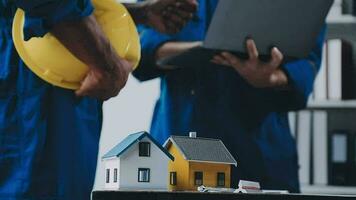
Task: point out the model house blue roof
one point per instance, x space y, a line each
130 140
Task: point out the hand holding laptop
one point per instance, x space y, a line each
269 22
258 73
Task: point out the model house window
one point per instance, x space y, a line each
173 178
115 175
107 175
198 176
144 149
221 179
143 175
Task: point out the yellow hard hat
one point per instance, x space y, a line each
51 61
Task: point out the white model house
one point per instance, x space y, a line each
137 163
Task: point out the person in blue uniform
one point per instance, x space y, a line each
245 105
49 136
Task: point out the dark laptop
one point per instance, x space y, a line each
291 25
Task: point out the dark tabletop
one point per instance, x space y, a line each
143 195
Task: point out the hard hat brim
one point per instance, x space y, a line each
132 51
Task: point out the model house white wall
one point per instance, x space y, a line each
157 163
112 165
128 165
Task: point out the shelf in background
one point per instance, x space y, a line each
332 104
342 19
342 28
328 190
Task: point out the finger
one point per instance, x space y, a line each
84 87
169 8
233 60
220 60
273 79
80 93
183 15
132 65
277 57
177 20
252 49
171 27
187 5
180 18
84 90
278 78
89 84
88 91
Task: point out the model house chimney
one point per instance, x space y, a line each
193 134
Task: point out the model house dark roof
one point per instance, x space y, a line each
202 149
130 140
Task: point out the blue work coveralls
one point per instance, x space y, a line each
48 137
217 102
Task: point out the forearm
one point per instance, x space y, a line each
85 39
174 48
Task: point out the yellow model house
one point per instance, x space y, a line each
198 161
